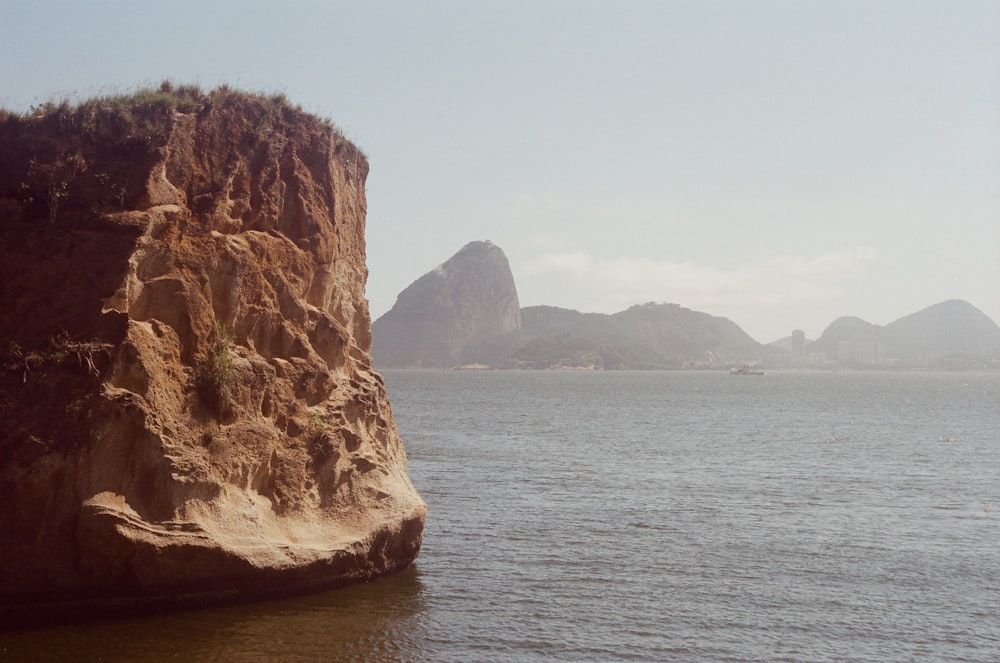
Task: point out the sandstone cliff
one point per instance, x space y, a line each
188 405
460 304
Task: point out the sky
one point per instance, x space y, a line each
780 163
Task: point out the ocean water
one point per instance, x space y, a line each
652 516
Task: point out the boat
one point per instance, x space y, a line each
744 370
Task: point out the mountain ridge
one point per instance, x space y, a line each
950 334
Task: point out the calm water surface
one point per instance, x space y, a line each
660 516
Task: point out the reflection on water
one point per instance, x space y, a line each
380 621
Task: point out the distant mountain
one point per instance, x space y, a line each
950 330
951 334
467 300
649 336
844 330
466 312
548 335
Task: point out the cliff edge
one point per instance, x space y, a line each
188 406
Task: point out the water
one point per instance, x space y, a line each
649 517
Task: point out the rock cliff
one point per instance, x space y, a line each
188 406
460 304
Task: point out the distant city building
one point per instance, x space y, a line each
798 342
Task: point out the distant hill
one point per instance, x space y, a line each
952 328
467 300
650 336
465 312
951 334
845 330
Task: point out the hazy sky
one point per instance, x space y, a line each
779 163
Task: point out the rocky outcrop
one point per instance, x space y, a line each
460 304
189 410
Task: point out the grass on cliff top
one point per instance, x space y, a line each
148 109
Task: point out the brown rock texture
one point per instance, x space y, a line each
188 407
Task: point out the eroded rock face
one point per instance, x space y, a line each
188 402
461 304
